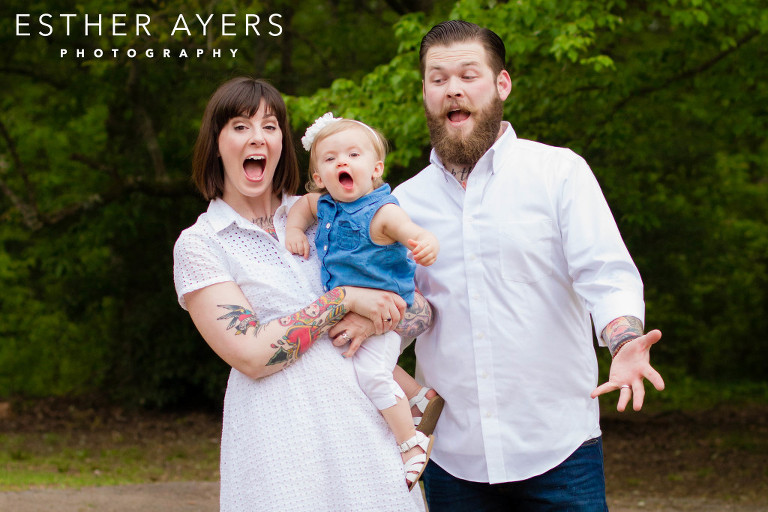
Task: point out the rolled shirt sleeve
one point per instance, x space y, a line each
599 263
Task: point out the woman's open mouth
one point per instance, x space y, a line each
346 181
254 167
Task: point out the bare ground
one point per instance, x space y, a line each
708 461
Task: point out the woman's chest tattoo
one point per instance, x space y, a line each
267 224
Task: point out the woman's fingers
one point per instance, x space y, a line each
384 309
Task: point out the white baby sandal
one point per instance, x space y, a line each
430 409
414 467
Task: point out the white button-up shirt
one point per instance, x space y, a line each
528 252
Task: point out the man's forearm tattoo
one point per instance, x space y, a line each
621 331
416 320
306 325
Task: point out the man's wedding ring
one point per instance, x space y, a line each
625 386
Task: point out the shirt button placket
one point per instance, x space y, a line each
475 239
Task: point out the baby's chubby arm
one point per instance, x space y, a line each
392 224
302 214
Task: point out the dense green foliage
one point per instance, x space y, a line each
666 99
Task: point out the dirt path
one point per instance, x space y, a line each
711 461
203 497
162 497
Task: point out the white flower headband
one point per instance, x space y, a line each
320 123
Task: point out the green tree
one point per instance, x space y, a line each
94 178
666 99
667 102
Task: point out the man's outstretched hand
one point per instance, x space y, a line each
628 369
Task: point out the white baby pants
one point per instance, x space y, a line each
374 362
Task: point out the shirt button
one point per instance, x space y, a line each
484 375
328 226
488 414
472 257
480 336
325 247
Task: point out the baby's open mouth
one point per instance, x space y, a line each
254 167
346 180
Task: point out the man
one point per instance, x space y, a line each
530 251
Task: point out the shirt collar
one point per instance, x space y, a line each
507 136
360 203
498 148
221 215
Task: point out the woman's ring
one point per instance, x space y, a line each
345 336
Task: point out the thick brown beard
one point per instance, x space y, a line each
460 150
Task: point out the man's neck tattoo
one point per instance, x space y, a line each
461 174
267 224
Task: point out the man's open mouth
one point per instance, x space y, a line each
254 167
346 181
458 115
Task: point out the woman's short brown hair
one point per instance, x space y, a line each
237 97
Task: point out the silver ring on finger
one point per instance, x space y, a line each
345 336
624 386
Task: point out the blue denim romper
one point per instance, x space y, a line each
350 257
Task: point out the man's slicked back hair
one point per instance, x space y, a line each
451 32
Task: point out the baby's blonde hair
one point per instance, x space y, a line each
377 140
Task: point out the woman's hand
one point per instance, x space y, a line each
355 329
381 307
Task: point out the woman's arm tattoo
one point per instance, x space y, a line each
302 327
417 318
240 318
621 331
305 326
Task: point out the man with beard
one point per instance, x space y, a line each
530 251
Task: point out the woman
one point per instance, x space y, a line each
298 433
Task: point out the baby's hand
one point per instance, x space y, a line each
424 250
296 242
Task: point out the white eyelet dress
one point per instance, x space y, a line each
305 438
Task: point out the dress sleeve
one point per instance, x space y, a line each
198 262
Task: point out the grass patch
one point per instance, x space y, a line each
79 454
686 393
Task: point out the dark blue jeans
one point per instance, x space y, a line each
576 485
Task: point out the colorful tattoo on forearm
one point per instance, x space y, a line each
306 325
240 318
621 331
417 318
